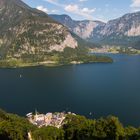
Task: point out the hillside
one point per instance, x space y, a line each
26 31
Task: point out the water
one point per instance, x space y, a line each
93 90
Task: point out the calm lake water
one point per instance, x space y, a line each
102 89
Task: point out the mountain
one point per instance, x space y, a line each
121 31
25 31
83 29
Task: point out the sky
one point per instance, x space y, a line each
103 10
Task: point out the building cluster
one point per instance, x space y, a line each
49 119
114 50
106 49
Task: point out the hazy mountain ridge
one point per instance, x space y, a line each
126 25
121 31
124 30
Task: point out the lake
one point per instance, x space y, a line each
102 89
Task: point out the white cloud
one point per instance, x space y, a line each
88 11
74 8
85 12
71 8
135 4
41 8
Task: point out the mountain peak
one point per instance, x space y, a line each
83 28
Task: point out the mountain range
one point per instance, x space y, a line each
124 31
29 37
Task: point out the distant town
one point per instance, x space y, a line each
115 50
49 119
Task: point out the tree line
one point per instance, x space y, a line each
76 127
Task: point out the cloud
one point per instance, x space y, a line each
135 4
74 8
41 8
71 8
88 11
85 12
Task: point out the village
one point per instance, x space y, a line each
49 119
107 49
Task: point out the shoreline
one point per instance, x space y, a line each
46 64
49 66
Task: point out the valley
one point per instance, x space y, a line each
63 56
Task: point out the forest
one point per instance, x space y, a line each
76 127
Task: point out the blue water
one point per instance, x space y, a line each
103 89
